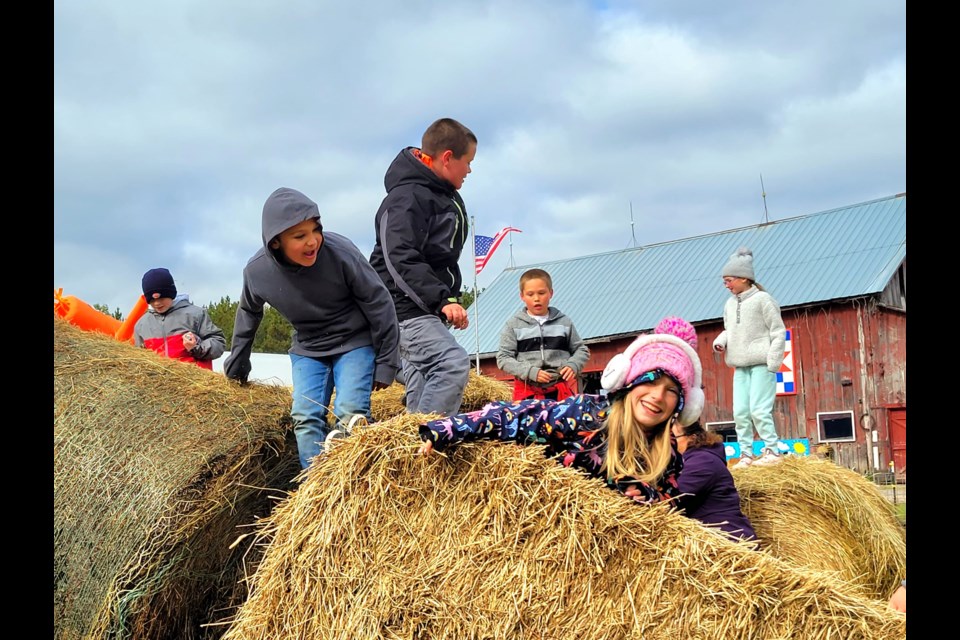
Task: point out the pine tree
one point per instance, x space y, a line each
102 308
223 315
274 335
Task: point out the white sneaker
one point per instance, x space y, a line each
344 430
356 420
333 435
744 462
768 458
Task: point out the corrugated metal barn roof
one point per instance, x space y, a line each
842 253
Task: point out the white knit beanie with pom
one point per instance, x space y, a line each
740 265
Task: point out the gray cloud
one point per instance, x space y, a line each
173 122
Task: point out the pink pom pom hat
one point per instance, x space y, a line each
672 348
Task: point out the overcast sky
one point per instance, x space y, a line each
174 121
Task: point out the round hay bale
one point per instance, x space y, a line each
388 403
814 513
156 465
493 540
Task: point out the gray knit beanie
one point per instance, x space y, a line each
740 265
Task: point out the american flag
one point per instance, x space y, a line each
484 246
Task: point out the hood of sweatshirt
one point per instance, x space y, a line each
283 209
717 449
407 168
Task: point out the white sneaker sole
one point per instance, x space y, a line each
356 420
769 462
332 436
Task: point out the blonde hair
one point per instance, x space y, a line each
631 449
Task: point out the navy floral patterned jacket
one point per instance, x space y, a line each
571 429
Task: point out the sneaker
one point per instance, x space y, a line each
356 420
768 458
744 462
344 431
333 435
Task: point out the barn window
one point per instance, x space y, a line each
836 426
726 429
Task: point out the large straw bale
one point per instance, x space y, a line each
156 465
493 540
826 517
480 390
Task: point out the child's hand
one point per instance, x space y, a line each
567 374
426 448
544 377
189 341
456 315
898 601
636 495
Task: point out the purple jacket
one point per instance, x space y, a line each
714 499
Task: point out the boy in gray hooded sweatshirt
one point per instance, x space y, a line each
345 326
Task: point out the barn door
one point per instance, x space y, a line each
897 419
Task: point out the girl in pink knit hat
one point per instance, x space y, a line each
623 437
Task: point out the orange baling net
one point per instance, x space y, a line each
79 313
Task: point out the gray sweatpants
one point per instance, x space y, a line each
435 367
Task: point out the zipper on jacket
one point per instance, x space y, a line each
738 308
457 231
163 330
543 356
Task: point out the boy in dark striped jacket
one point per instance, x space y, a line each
539 345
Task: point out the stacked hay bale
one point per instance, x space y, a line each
815 513
157 465
492 540
388 403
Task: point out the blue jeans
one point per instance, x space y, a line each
754 390
435 367
313 382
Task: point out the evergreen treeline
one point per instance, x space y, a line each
102 308
274 335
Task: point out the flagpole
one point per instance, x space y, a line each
476 292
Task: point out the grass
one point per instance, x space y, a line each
902 512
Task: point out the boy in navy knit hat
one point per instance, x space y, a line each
175 327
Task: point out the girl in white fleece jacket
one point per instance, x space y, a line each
753 341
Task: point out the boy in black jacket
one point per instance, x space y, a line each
421 228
